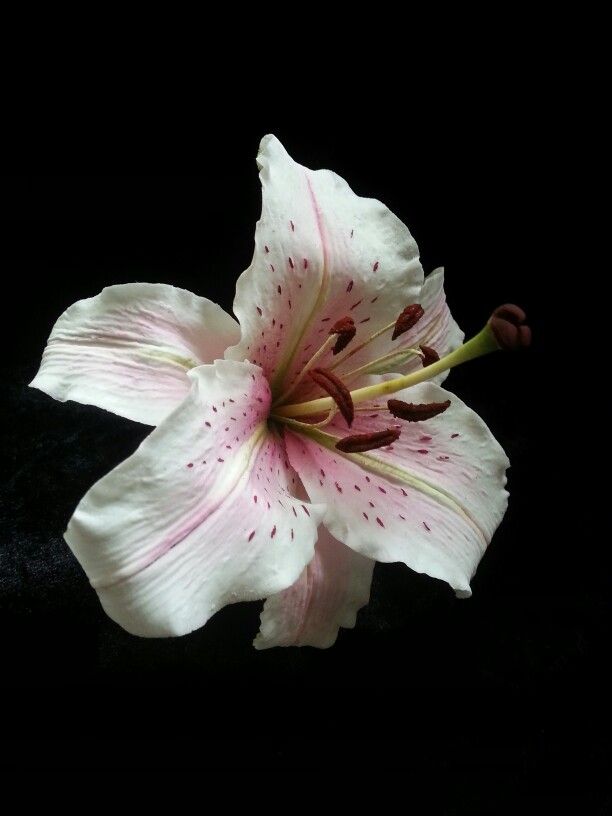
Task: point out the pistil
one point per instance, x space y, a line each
503 331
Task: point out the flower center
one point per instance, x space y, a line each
505 329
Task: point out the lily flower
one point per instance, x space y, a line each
295 448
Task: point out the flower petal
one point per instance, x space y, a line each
129 348
327 595
321 253
433 499
202 514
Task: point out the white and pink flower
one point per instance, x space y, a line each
241 491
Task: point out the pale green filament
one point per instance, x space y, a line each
384 365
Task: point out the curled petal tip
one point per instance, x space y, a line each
508 327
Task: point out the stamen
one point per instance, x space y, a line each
429 355
345 331
325 347
407 319
359 443
373 337
337 390
416 412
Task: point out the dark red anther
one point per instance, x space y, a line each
430 355
337 390
507 324
345 329
412 412
358 443
407 319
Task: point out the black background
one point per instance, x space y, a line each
509 680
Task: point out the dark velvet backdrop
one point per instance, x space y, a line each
531 629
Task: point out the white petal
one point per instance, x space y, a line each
200 516
321 253
129 348
327 595
433 499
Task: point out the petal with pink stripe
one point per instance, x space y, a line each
327 595
321 253
202 515
432 499
129 349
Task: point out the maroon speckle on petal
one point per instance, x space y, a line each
422 450
208 423
273 533
255 499
375 267
454 436
251 535
357 488
403 492
266 248
305 509
259 312
279 290
305 263
291 264
338 488
292 533
350 286
292 226
426 527
294 511
382 489
220 460
189 464
365 515
379 521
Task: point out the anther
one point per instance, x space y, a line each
413 412
507 326
407 319
430 355
345 330
337 390
359 443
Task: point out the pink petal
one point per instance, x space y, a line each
202 515
327 595
321 253
129 348
433 501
